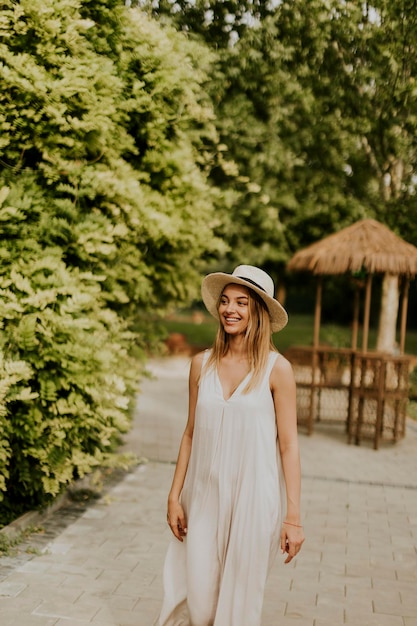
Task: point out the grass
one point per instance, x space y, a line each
198 334
9 546
200 330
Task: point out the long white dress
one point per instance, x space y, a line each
233 498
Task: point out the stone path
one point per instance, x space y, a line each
99 563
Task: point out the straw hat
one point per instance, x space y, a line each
248 276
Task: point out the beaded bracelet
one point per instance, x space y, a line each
296 525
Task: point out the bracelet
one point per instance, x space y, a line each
289 524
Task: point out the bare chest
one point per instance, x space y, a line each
231 375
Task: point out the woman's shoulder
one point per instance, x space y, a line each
197 362
281 367
201 357
198 358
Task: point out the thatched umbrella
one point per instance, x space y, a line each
366 246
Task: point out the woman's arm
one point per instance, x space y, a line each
284 394
176 518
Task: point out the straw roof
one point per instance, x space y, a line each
365 245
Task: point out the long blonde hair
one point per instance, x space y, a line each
258 340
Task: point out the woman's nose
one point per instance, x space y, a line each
230 307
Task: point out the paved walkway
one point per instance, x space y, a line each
100 563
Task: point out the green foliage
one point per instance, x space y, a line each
10 545
121 142
218 22
106 139
315 107
67 377
277 116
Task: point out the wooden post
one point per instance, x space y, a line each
317 312
314 360
361 399
404 307
380 403
367 313
355 319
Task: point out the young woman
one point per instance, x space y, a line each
235 495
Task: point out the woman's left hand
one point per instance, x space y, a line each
292 538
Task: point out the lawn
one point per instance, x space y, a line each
199 330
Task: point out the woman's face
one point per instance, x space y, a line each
234 309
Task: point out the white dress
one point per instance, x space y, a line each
233 498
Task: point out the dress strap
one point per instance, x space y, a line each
271 362
203 371
206 355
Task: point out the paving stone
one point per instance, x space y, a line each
15 617
11 589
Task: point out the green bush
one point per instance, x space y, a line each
105 136
65 370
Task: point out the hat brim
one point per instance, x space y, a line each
212 288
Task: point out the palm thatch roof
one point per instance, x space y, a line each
365 245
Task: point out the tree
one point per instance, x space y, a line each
318 112
282 126
218 22
375 55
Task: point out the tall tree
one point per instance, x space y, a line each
375 56
219 22
280 120
316 105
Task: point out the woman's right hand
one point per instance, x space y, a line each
176 520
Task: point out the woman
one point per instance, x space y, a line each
235 495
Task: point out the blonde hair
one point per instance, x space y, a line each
258 340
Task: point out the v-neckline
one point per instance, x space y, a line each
235 390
